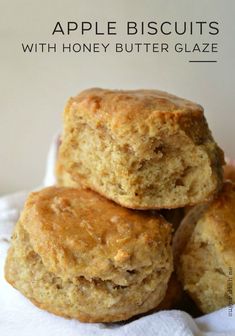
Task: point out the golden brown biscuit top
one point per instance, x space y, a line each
79 232
132 103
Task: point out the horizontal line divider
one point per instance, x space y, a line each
203 61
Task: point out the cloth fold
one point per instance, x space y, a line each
18 316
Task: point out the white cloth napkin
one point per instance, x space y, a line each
19 317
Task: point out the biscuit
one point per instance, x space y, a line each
144 149
78 255
204 248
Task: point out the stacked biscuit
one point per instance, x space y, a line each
85 249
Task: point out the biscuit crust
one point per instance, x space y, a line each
81 256
144 149
204 251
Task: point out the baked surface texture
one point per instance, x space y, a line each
144 149
78 255
204 251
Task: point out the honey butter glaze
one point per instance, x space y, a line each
119 102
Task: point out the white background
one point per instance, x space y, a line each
35 88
